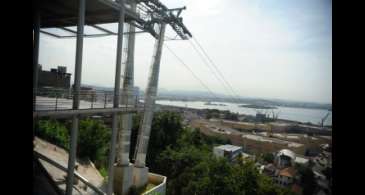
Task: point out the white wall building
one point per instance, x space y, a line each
228 151
284 158
301 160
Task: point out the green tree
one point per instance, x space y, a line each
166 129
53 131
93 141
230 116
246 178
212 176
184 155
268 157
211 113
308 181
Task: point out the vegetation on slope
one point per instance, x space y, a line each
182 154
92 143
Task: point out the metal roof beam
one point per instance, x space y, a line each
88 36
69 30
103 29
50 34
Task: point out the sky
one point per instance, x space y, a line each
276 49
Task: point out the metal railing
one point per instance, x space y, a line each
52 102
64 168
61 99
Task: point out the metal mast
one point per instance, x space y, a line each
140 171
159 17
149 101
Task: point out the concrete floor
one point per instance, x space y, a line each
42 185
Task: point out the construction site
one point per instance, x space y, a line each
257 134
261 137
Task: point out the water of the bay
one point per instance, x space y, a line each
295 114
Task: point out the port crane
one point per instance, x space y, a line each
269 132
274 118
324 119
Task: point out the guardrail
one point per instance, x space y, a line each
59 104
64 168
59 99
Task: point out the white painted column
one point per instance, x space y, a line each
140 171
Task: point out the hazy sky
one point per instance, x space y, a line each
268 49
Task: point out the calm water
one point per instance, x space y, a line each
295 114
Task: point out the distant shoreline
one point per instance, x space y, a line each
258 106
212 104
276 105
293 122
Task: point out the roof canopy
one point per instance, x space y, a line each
287 152
64 13
228 147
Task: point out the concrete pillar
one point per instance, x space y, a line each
123 179
140 173
123 167
76 98
36 28
127 97
115 117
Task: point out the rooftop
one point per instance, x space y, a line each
228 147
286 152
288 172
245 155
301 160
270 167
62 13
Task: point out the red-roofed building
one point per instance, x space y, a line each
286 176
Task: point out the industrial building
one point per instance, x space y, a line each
284 158
260 117
228 151
55 78
283 171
